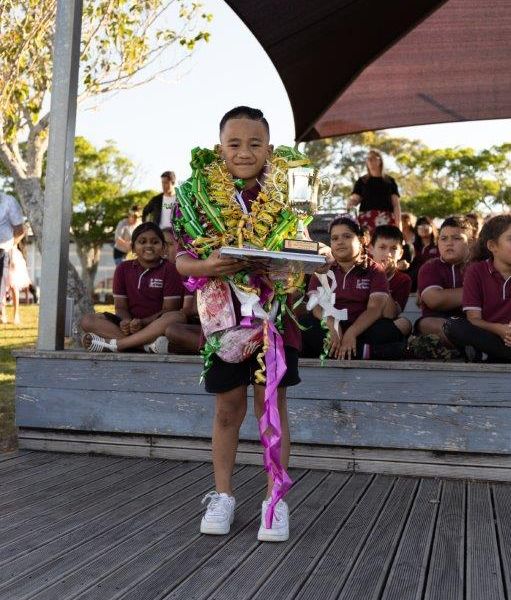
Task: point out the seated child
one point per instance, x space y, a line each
184 337
386 248
245 148
424 247
487 296
361 289
148 294
440 284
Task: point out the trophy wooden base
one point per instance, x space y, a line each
302 246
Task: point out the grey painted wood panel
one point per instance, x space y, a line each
446 577
396 385
372 424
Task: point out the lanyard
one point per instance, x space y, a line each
241 202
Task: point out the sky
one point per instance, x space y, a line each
156 125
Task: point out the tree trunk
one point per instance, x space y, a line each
31 196
89 259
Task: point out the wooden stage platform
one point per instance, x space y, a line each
397 418
107 528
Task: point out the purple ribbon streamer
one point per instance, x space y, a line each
269 424
195 283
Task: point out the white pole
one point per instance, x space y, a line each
59 175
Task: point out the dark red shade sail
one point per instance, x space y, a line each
359 65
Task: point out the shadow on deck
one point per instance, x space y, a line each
97 527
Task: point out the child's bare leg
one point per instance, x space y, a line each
148 334
230 411
434 325
404 325
183 338
100 325
16 303
285 447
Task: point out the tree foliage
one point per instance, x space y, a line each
101 198
433 182
123 44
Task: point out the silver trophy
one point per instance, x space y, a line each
304 184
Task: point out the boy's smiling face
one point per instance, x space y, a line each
245 147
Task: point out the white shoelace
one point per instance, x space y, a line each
218 506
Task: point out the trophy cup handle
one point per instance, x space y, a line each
324 180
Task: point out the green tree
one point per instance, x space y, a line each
100 200
456 180
123 41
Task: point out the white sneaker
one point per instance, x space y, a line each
159 346
279 531
219 514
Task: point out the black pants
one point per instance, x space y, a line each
381 333
462 333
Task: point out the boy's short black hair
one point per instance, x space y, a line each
169 175
460 222
240 112
389 232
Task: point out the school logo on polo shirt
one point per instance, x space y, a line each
363 283
155 282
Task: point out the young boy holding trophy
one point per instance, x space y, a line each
236 198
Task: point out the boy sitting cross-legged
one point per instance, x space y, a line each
386 248
440 288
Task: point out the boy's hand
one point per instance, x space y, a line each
335 338
217 265
124 326
505 333
348 348
135 325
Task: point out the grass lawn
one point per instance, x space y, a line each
13 337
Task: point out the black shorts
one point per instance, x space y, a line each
224 377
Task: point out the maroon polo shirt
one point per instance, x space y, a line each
437 273
355 286
400 285
486 290
291 334
422 255
145 289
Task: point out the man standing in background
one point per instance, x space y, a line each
159 209
123 231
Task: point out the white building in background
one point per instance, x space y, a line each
105 270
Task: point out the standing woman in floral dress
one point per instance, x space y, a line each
376 195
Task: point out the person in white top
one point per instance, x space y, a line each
11 232
159 208
123 231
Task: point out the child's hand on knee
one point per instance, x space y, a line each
135 325
124 326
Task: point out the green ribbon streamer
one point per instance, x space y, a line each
326 343
212 346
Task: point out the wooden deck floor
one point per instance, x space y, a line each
96 527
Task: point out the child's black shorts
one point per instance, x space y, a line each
223 376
